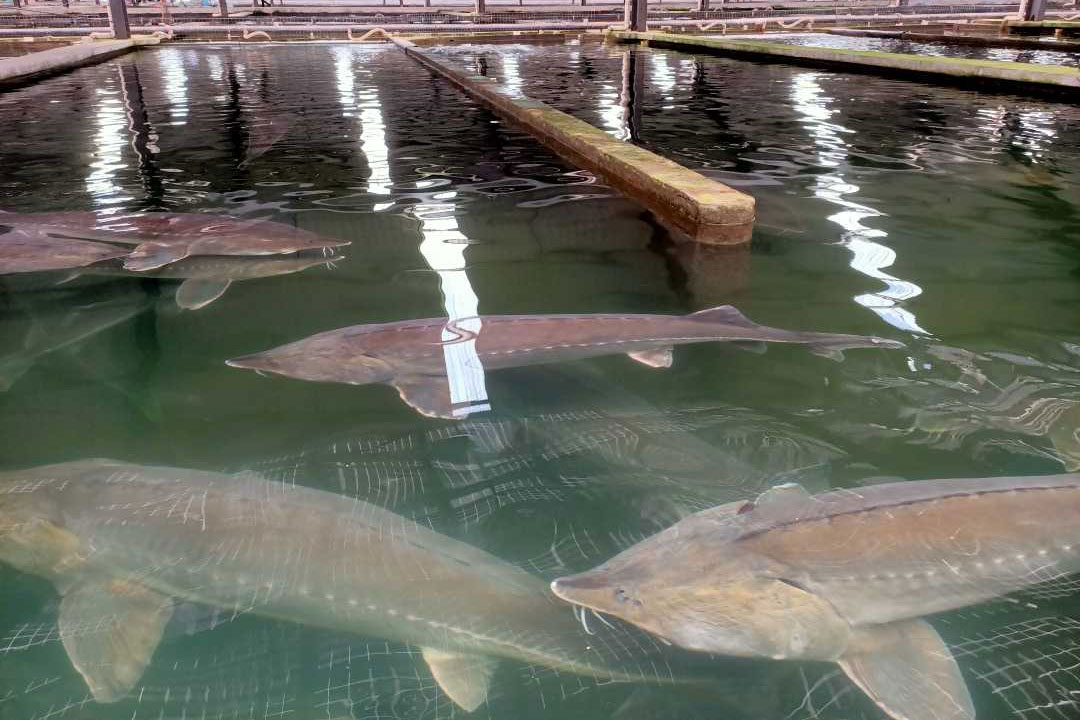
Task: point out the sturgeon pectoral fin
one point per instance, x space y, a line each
908 671
725 314
464 678
152 255
110 630
829 353
428 395
195 294
655 358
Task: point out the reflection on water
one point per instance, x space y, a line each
941 211
870 256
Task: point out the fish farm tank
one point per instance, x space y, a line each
539 372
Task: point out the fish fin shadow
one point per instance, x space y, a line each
464 678
110 629
908 671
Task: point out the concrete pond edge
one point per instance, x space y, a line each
29 68
701 209
1062 81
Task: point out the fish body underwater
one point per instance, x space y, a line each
845 576
31 252
207 277
163 238
60 320
412 355
123 543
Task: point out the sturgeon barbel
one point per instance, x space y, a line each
845 576
123 542
410 355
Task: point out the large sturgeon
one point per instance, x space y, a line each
121 542
163 238
411 355
845 576
207 277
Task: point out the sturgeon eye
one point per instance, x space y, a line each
621 595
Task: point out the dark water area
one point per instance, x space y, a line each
940 218
1049 56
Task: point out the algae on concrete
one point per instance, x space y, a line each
701 209
1013 74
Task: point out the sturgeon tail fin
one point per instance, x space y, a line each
907 670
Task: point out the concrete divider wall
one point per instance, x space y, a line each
27 68
1027 77
704 210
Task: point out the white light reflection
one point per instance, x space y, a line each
217 68
609 105
108 142
366 105
443 247
661 76
174 79
511 78
868 256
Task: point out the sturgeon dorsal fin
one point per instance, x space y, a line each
725 314
464 678
110 629
654 357
782 501
152 255
907 670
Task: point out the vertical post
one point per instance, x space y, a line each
223 8
479 6
702 5
118 20
18 3
1033 10
635 15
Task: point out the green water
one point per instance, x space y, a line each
942 218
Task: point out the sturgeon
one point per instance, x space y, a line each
122 543
206 278
845 576
27 252
162 238
411 355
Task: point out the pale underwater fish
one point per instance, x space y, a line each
123 543
207 277
846 576
163 238
34 329
409 355
31 249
